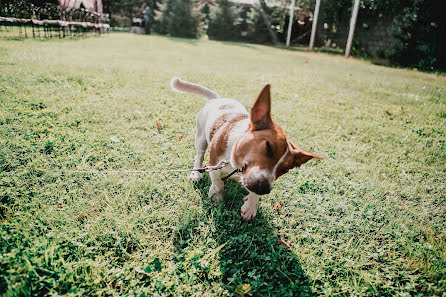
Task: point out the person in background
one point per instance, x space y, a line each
146 12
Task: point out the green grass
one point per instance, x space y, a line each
367 220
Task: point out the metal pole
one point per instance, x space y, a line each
352 28
290 24
313 28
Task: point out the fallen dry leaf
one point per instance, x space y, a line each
243 289
284 243
277 206
81 218
158 126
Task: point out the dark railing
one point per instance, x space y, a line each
24 19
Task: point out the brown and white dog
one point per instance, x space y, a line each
252 142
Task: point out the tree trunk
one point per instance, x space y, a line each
268 23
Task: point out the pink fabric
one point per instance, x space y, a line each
93 5
90 5
64 4
73 4
99 6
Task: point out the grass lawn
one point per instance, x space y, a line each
367 220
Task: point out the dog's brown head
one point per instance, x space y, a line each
263 151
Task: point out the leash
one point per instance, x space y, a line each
232 173
220 165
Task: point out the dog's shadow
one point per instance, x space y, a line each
251 261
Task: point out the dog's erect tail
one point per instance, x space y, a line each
187 87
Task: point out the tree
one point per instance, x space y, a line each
205 11
417 28
411 27
222 23
122 12
262 17
244 16
178 19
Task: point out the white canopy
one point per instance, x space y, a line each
90 5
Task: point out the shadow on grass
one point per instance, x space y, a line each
252 262
241 44
192 41
195 41
12 38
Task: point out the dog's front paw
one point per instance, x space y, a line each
215 193
195 176
249 208
217 197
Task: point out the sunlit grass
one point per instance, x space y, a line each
367 220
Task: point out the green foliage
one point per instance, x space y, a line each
122 12
259 32
205 10
411 26
367 220
159 24
222 25
30 8
179 20
243 23
416 26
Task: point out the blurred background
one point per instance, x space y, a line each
388 32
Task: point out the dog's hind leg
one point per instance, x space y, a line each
200 146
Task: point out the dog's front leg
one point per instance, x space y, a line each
217 186
249 208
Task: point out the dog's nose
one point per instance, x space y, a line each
260 187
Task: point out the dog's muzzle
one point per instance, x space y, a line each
259 186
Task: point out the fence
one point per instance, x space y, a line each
23 20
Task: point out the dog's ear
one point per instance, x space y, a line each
301 156
261 111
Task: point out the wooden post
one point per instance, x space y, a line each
290 24
352 28
313 28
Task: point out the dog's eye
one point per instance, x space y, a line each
269 150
